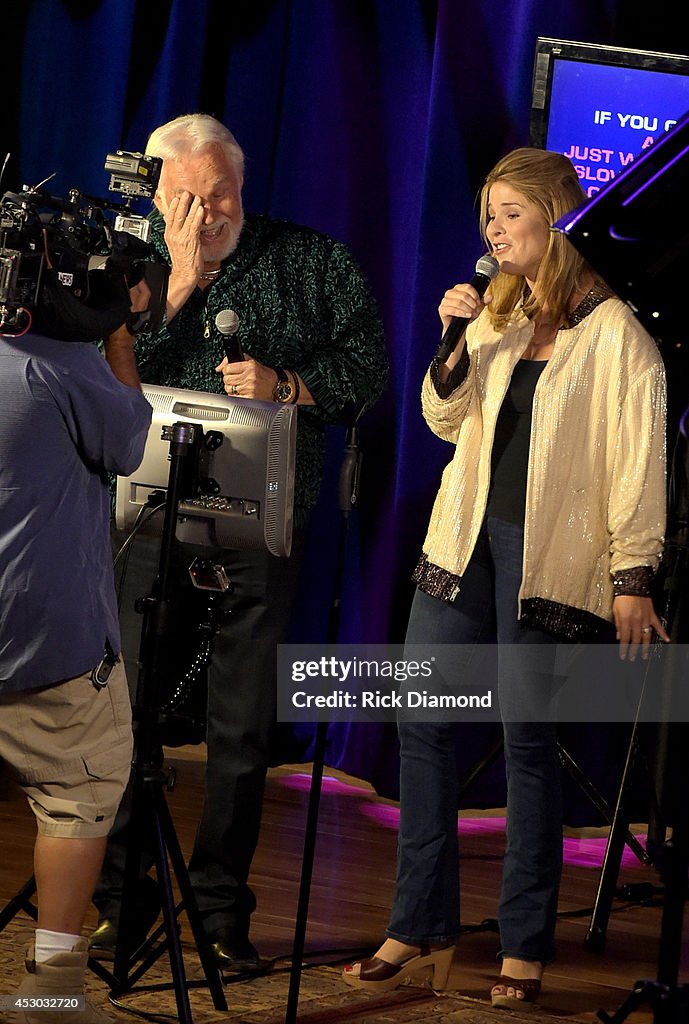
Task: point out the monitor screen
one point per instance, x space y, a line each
603 105
631 234
239 493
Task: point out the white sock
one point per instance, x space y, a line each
49 943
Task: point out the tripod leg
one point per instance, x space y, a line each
480 767
21 901
151 805
141 815
171 843
170 919
595 937
600 803
147 806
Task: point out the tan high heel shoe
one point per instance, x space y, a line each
377 975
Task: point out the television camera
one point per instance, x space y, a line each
66 265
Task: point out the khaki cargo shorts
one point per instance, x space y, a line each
70 748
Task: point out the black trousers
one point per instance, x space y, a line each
241 713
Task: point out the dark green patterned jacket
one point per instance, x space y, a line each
302 303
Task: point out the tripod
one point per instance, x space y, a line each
668 734
669 999
148 800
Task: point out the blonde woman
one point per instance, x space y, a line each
547 527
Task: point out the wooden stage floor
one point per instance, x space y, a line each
351 892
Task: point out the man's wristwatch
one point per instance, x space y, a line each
283 392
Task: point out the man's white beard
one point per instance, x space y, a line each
234 231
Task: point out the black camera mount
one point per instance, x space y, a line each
149 779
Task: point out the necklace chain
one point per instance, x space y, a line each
210 275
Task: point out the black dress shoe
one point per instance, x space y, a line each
103 941
146 898
234 954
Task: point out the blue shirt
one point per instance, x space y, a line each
65 423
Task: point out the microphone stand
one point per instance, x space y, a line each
348 494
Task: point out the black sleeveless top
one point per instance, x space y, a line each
510 455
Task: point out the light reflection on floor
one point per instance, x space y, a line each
584 852
330 785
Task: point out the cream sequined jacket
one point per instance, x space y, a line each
595 499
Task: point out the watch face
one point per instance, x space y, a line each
283 391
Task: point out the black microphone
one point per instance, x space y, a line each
227 323
486 269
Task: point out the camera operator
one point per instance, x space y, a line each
310 336
66 421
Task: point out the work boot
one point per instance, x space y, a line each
61 975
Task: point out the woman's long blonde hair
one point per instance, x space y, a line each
549 182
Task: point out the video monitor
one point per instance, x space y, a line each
631 234
241 493
603 105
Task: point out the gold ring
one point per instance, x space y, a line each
646 629
233 389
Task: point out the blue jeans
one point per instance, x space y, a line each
426 904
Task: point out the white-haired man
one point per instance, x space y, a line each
311 336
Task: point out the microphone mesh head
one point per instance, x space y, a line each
227 321
487 265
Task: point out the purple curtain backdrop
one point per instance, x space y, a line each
371 120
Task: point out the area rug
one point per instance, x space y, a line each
323 999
